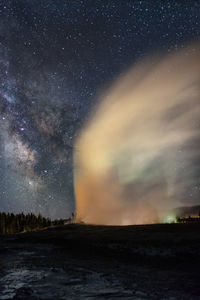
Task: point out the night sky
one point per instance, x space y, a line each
55 58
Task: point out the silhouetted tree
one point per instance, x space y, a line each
10 223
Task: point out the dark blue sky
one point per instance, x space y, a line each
55 56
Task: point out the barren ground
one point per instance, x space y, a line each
102 262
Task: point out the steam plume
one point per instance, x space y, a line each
136 156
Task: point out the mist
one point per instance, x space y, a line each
137 156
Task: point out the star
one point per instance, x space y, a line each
56 58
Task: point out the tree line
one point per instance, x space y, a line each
11 223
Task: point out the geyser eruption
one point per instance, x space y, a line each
137 155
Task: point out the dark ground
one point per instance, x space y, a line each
102 262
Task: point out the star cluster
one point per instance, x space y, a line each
55 57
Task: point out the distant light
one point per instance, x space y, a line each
169 219
22 128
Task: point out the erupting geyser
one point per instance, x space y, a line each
136 156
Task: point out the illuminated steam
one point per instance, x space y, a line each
137 155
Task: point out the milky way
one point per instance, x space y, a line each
55 58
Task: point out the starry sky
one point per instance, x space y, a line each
55 58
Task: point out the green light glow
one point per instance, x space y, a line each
169 219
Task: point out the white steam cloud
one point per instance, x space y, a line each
136 157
